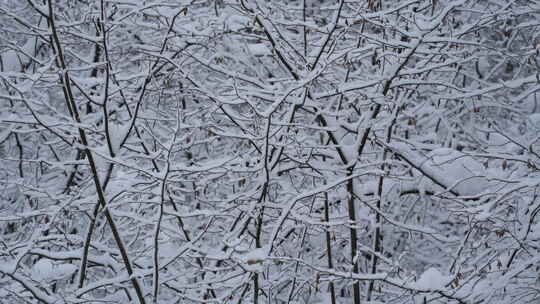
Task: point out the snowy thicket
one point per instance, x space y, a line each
278 151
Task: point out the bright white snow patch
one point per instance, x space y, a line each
535 120
236 22
498 143
255 256
46 270
14 60
454 168
431 279
259 49
255 259
118 132
168 249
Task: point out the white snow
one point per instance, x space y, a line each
118 132
46 270
456 168
256 256
453 169
259 49
535 120
236 22
13 60
168 249
431 279
254 260
498 143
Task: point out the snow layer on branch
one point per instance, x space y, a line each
498 143
46 270
13 61
118 132
255 259
431 279
236 22
535 120
259 49
449 168
456 170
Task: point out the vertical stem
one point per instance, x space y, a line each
299 255
71 103
329 248
376 238
353 237
21 154
258 242
304 27
155 282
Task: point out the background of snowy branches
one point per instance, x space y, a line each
306 151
